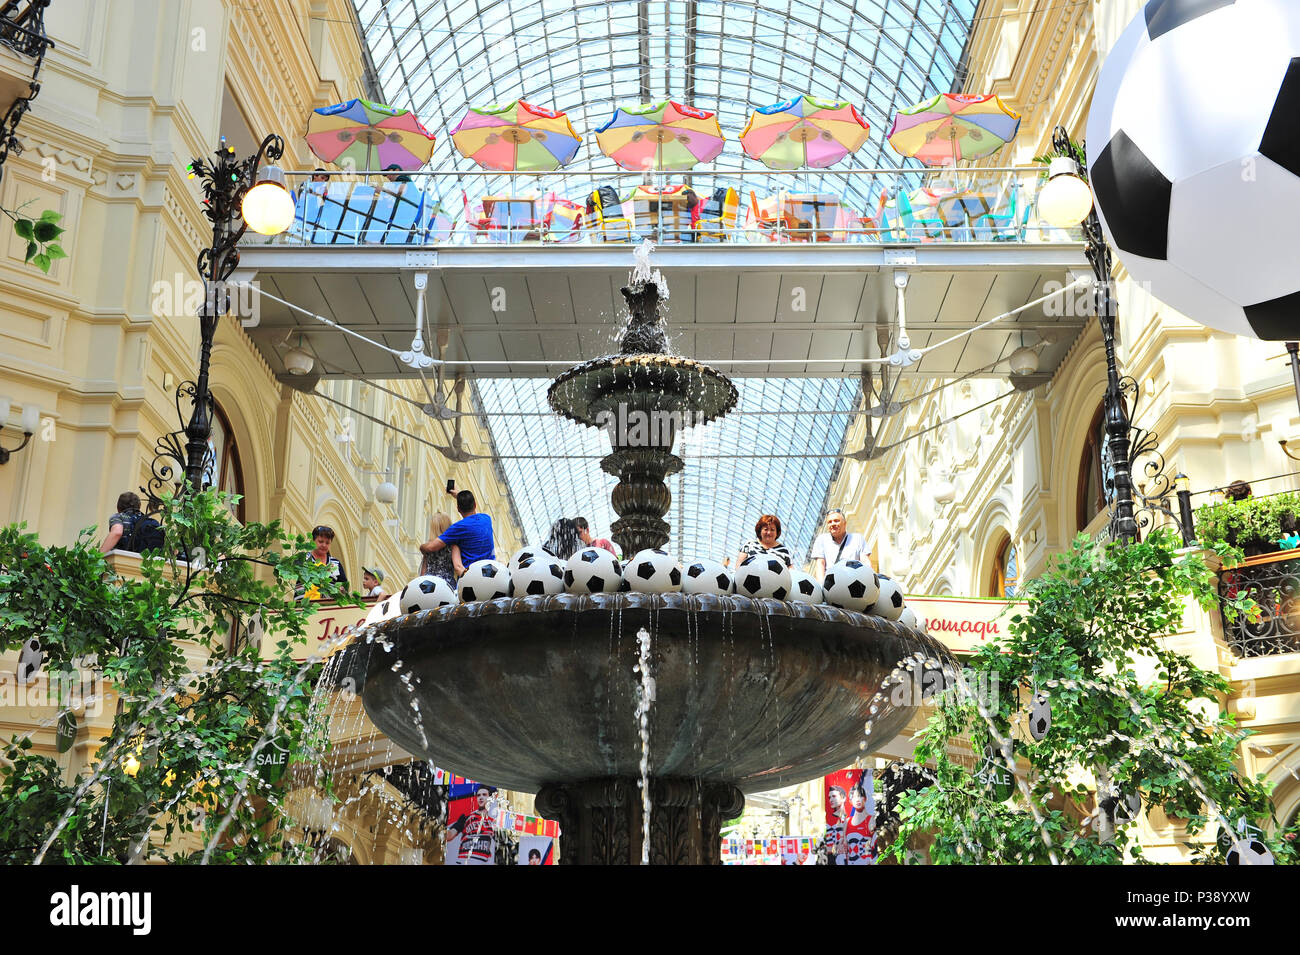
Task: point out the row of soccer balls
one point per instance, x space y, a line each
594 570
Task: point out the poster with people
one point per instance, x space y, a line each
851 817
536 850
472 825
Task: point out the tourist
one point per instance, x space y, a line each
477 830
589 539
441 563
836 544
393 173
472 534
563 541
129 529
372 583
1237 491
323 535
766 540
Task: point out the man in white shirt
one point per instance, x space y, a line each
836 545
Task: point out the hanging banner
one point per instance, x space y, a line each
964 624
472 828
327 621
773 850
536 850
850 804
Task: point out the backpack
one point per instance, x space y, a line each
144 534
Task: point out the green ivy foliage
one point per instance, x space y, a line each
182 759
41 236
1094 620
1229 526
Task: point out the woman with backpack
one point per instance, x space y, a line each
129 529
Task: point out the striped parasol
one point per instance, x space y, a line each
516 137
953 126
804 131
658 136
360 134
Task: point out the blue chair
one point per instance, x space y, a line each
1005 224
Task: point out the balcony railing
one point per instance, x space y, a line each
1273 582
902 206
22 26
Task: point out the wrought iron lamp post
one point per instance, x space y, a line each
1066 201
239 194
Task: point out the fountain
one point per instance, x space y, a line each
547 694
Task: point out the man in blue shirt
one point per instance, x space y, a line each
472 534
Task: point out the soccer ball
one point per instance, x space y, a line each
1195 164
908 618
852 585
537 575
523 554
763 576
889 602
1040 716
653 571
386 609
593 570
426 593
804 588
1249 852
706 577
485 580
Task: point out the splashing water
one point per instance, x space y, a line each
645 699
641 272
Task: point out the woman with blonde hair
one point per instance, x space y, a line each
442 563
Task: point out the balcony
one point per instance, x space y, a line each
22 45
1273 582
523 281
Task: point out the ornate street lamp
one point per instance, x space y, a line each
239 194
1066 201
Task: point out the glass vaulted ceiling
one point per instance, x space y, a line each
438 57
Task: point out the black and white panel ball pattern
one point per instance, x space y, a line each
426 593
706 577
852 585
763 576
593 570
484 580
1194 158
653 571
536 575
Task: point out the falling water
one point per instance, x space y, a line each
645 699
642 273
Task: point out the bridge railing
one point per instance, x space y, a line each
884 206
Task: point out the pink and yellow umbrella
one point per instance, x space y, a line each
953 126
658 136
804 131
517 137
365 135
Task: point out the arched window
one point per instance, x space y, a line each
1006 572
1094 470
227 472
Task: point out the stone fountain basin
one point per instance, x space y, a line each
519 692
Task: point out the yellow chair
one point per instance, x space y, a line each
613 227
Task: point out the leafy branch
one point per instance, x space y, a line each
40 235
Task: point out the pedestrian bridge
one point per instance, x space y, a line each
381 282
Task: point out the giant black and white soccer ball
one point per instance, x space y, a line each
852 585
385 609
524 553
426 593
908 618
804 588
763 575
653 571
1194 159
1249 851
484 580
537 575
1040 716
889 601
593 570
706 576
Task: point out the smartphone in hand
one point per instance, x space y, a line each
451 485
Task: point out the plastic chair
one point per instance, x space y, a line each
771 223
718 214
479 225
919 226
1005 225
563 220
616 224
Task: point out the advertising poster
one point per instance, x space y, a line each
471 826
850 804
536 850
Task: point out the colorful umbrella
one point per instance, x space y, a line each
366 135
804 131
953 126
660 136
516 137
